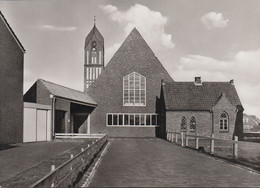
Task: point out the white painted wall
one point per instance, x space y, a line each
37 122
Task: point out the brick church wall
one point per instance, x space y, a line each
203 121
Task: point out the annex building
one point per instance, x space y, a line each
137 97
11 81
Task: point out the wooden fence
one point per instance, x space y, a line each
66 174
77 135
173 137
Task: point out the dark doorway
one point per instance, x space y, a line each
80 124
60 121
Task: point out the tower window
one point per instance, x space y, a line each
93 56
223 122
134 87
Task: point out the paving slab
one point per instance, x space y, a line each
157 163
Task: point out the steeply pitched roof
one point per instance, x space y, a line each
12 32
64 92
94 32
134 55
188 96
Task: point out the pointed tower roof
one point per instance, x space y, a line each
93 33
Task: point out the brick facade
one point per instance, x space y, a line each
203 121
206 103
133 56
11 82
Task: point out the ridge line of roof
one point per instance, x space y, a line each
60 85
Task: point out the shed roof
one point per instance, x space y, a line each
188 96
67 93
12 32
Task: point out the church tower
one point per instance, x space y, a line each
94 56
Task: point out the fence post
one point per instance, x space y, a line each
186 140
197 141
176 137
172 138
182 139
235 148
212 144
52 168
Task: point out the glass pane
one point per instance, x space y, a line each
148 121
120 119
132 96
126 119
115 119
137 96
221 124
142 83
109 119
142 120
154 119
132 119
132 81
137 119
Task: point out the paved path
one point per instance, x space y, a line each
21 157
157 163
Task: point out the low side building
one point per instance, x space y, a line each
70 108
202 108
11 82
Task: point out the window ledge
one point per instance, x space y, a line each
224 131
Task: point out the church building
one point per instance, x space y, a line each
127 89
136 97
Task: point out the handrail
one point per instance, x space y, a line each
77 135
66 174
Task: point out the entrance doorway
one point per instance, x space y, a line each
80 123
60 121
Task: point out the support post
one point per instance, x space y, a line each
176 137
186 140
52 168
197 141
172 138
235 148
212 144
53 115
182 139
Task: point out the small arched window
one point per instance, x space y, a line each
183 124
192 124
223 123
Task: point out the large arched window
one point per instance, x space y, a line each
192 124
183 124
134 86
223 122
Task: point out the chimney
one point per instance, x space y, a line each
198 81
231 82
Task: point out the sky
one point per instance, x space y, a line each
218 40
